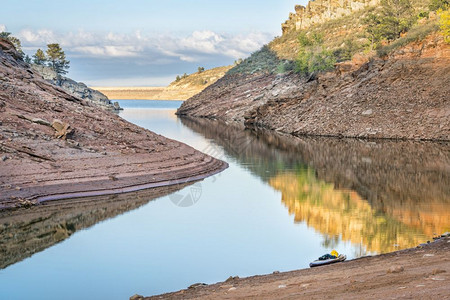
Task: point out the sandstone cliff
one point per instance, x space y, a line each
76 89
320 11
57 146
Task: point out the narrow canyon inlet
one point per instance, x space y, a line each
283 202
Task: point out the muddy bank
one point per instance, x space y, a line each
403 96
417 273
55 146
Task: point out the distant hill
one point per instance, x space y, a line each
181 89
193 84
130 92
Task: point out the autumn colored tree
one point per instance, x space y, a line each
444 24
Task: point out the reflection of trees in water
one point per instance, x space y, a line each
24 232
379 192
330 242
342 213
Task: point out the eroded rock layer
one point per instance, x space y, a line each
403 96
54 145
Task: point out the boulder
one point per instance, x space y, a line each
76 89
62 129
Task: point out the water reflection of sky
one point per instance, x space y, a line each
240 226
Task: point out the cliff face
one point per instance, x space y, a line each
76 89
320 11
403 96
57 146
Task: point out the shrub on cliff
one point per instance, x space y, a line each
312 56
347 50
390 21
416 33
285 66
264 60
444 24
439 4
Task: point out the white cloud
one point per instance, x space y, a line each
107 51
3 28
195 47
203 41
119 59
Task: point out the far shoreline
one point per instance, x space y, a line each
131 93
112 99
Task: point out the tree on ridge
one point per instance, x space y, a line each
39 58
57 59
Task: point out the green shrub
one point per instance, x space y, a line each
416 33
285 66
347 51
390 21
439 4
312 56
262 61
309 62
423 14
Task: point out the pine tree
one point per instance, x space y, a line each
392 19
57 59
27 59
39 57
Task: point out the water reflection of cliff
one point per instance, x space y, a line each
24 232
378 193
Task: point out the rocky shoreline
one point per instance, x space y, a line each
54 145
417 273
403 96
76 89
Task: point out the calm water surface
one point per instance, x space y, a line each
282 202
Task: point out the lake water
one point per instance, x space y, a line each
282 203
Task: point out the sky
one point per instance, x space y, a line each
145 42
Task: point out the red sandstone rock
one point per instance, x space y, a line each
95 144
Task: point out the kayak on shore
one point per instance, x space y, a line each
327 259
